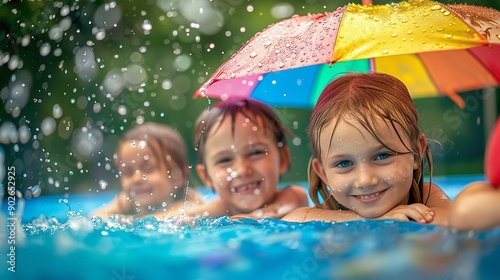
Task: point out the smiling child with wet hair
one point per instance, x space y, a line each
242 153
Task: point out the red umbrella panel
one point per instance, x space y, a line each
435 49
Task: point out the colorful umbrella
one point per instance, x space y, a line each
435 49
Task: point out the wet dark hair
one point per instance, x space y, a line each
365 97
211 119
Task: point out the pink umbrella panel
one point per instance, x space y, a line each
435 49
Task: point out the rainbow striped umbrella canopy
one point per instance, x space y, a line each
435 49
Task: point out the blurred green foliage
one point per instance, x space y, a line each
168 57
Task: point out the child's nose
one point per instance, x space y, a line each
365 176
242 166
139 176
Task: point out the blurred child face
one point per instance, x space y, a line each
146 179
363 175
243 168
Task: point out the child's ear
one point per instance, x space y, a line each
422 145
319 170
284 159
200 169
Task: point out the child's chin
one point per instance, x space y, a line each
250 207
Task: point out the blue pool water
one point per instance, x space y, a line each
57 244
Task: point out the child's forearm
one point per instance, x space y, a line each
440 216
476 208
307 214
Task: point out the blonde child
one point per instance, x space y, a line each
242 152
153 167
368 155
477 206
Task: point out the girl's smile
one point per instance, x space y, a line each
370 198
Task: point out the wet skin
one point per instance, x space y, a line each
244 167
363 175
146 181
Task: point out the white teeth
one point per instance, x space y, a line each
243 188
368 196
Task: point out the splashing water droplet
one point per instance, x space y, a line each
103 184
146 25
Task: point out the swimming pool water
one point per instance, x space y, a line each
81 248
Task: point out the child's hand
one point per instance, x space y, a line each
417 212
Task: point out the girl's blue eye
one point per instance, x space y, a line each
383 156
343 164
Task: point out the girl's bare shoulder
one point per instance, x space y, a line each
297 215
435 195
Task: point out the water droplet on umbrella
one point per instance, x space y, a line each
385 51
447 13
281 65
436 7
267 43
394 35
440 29
253 54
233 75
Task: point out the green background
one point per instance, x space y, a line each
176 58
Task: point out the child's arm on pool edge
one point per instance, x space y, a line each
438 202
309 214
476 207
287 199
